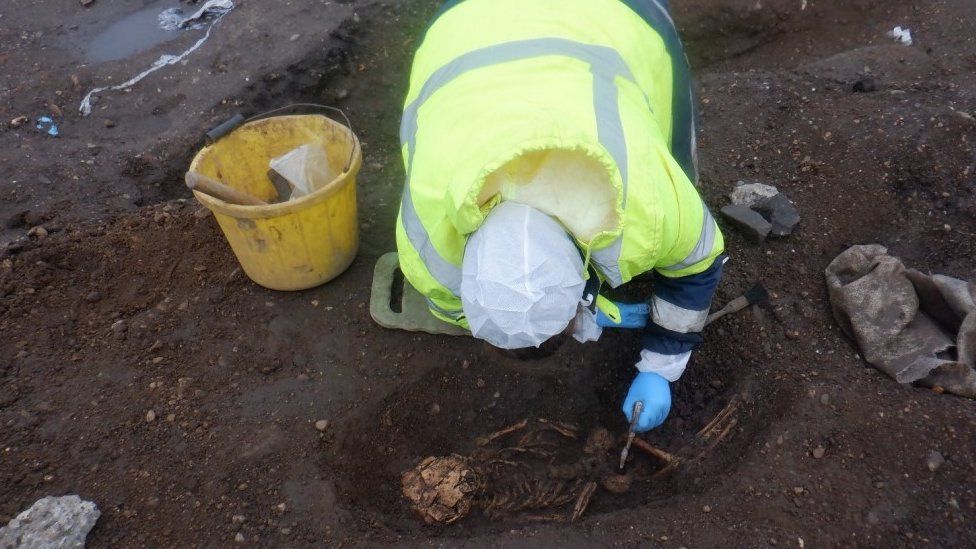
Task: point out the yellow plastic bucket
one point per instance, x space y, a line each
293 245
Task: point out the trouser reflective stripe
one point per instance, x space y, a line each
703 249
606 65
677 319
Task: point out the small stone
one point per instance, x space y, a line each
201 213
707 509
93 296
321 425
819 452
237 519
780 212
342 94
750 194
157 360
748 222
865 85
934 461
303 377
39 232
435 409
873 518
119 326
242 486
825 399
239 537
152 502
171 417
150 416
18 122
798 490
109 123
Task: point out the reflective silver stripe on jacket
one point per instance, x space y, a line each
677 319
453 315
703 249
605 63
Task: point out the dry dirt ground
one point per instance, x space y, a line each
132 302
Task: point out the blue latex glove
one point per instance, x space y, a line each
655 392
610 314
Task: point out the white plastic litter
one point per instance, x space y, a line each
901 35
173 19
218 9
522 278
306 168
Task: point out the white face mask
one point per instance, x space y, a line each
586 328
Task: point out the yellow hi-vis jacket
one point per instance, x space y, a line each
496 79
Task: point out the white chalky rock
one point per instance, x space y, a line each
51 523
750 194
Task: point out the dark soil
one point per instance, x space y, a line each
130 301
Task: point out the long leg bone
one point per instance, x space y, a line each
670 460
583 501
717 422
488 439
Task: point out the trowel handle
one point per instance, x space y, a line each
216 189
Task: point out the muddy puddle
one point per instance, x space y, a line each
155 24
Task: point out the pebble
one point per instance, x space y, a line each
93 296
303 377
119 326
237 519
150 416
934 461
707 508
321 425
171 418
152 502
825 399
435 409
819 452
239 538
109 123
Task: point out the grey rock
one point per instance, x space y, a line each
934 461
51 523
780 212
748 222
752 193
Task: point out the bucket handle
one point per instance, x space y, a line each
268 114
